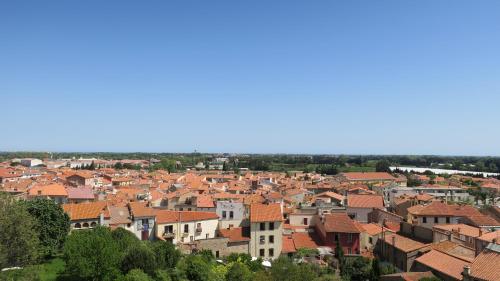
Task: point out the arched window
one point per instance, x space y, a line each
85 224
93 224
78 225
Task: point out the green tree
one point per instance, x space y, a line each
92 255
124 239
136 275
262 276
167 256
383 166
195 268
52 224
239 272
356 268
162 275
19 241
141 257
375 270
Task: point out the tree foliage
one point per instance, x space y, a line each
92 255
19 241
52 224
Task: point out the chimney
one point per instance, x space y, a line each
466 271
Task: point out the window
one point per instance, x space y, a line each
262 253
231 214
169 229
305 221
424 219
336 237
436 219
271 252
349 251
217 254
186 228
271 226
262 239
78 225
93 224
145 221
85 224
198 225
271 239
447 219
370 239
349 237
262 226
224 214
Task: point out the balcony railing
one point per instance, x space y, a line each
198 229
168 234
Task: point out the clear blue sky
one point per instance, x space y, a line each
382 77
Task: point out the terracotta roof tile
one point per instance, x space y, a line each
265 212
305 240
486 266
236 234
443 263
166 216
85 211
54 189
368 176
365 201
404 244
340 222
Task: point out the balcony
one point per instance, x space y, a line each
185 234
198 229
168 235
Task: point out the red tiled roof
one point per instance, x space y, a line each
438 208
166 216
443 263
54 189
340 222
80 193
368 176
234 234
330 194
402 243
205 201
265 212
305 240
139 209
486 266
287 245
365 201
85 211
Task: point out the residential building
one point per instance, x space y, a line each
143 220
359 206
339 228
266 230
185 226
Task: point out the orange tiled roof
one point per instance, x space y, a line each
139 209
305 240
205 201
459 228
365 201
84 211
486 266
404 244
236 234
340 222
368 176
166 216
265 212
443 263
54 189
287 245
